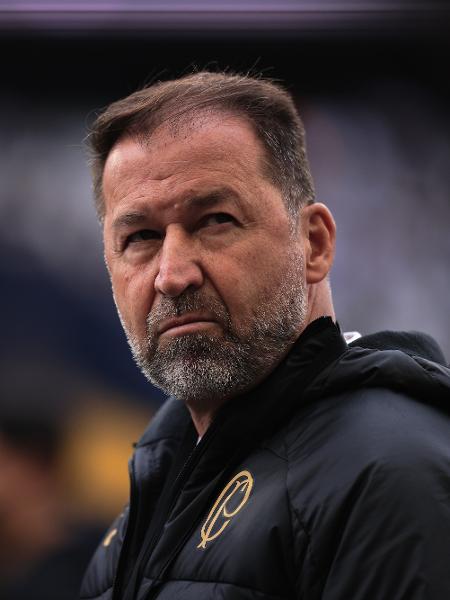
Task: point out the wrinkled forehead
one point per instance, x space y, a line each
208 134
180 124
179 159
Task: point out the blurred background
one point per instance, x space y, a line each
371 82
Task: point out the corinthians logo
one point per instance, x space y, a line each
232 498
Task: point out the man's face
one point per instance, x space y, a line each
206 271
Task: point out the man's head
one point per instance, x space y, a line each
214 271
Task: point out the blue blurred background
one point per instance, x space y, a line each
371 82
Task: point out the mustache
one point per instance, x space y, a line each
188 302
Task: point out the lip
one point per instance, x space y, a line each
193 319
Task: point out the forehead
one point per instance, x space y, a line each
214 147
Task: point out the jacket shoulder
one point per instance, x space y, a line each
368 470
369 424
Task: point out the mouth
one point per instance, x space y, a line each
188 323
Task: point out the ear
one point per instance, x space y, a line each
319 236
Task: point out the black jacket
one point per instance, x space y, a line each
330 480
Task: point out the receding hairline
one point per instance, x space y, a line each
182 124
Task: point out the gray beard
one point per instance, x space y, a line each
201 367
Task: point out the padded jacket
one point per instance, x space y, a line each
330 480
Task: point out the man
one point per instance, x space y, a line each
287 464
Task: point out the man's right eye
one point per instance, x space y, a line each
143 235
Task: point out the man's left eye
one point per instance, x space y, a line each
217 219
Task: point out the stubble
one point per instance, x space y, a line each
201 367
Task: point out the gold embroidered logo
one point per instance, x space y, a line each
233 497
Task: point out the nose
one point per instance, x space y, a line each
179 266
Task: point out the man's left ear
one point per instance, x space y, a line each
319 235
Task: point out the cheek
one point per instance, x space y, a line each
248 280
133 293
266 276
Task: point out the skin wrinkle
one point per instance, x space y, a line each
191 201
183 129
216 150
170 200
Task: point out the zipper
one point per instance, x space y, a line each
236 457
132 513
176 489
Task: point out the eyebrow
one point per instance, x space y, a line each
129 219
211 198
134 218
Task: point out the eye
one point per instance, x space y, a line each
217 219
143 235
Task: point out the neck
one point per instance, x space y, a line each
320 302
201 420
